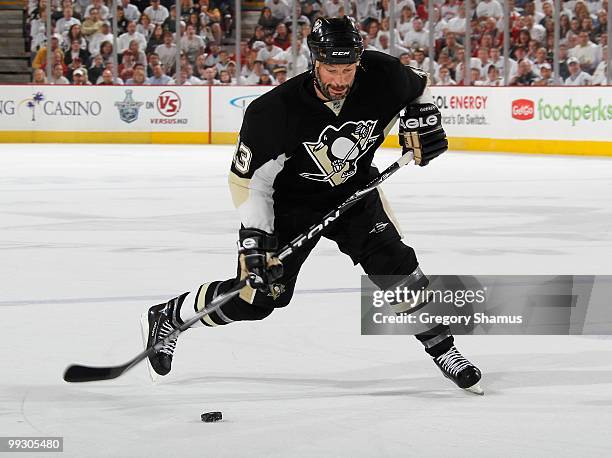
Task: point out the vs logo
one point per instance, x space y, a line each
168 103
337 151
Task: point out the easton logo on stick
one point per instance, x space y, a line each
337 151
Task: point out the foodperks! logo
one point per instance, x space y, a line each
522 109
573 112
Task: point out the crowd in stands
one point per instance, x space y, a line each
147 40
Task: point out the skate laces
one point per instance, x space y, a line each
453 362
165 330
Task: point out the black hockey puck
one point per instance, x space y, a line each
209 417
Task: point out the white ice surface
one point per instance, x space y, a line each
92 236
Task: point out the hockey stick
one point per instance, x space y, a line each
80 373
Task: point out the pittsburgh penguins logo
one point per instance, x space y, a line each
338 149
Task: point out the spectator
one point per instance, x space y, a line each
146 28
524 75
104 12
169 23
156 39
540 59
98 38
255 75
156 12
258 35
280 8
57 75
493 78
333 8
93 23
225 78
282 39
451 45
497 60
153 61
159 77
131 12
265 79
95 69
138 78
122 22
63 25
127 64
449 9
421 62
106 51
167 52
418 37
405 22
107 79
384 46
545 78
483 56
444 78
213 54
587 52
123 42
577 77
372 29
39 77
192 45
208 76
210 18
41 56
536 31
79 77
223 62
266 20
76 52
439 25
269 51
564 25
602 22
74 33
188 77
489 8
139 56
600 74
456 25
231 69
365 10
280 75
285 60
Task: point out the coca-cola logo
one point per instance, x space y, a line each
523 109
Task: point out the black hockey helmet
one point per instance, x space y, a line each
335 41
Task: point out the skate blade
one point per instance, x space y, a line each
144 332
475 389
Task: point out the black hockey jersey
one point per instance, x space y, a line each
296 150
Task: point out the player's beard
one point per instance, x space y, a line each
324 88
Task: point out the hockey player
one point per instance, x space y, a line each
326 126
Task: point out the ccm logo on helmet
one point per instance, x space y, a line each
340 53
430 120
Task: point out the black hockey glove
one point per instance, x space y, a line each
422 133
255 249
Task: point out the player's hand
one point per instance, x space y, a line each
421 132
257 264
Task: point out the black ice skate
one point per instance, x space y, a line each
455 367
160 321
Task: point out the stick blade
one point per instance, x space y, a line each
77 373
